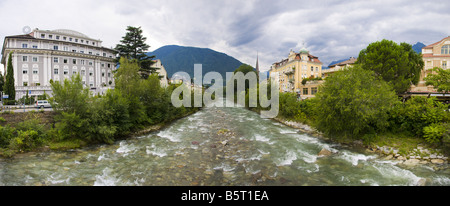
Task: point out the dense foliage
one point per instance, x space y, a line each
440 80
399 65
134 103
354 102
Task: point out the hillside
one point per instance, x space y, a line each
418 47
179 58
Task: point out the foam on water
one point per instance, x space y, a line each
392 171
309 158
355 158
169 135
287 159
152 150
106 179
56 178
125 148
261 138
287 131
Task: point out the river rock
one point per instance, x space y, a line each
389 157
421 182
324 152
411 162
437 161
195 143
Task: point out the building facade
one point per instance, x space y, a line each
161 72
45 55
338 66
433 55
295 68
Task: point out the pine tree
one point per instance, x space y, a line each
133 47
2 82
9 83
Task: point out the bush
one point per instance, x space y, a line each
434 133
416 114
6 134
25 141
352 103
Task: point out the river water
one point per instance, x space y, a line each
216 146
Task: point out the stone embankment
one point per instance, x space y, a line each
419 155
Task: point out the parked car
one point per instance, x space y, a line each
43 104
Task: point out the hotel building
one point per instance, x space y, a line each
45 55
295 68
433 55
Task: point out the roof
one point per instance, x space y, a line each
352 60
23 36
431 45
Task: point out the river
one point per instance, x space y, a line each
216 146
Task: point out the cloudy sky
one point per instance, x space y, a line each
330 29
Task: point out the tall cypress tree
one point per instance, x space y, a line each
133 47
9 83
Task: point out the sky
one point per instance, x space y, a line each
329 29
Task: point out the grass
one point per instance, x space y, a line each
67 144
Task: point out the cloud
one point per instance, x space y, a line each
330 29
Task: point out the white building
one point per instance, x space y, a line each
161 72
43 55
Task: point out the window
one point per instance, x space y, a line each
70 38
24 46
317 69
55 59
66 48
445 49
50 36
35 71
82 62
90 53
57 37
74 50
90 63
82 41
35 46
83 72
91 73
312 68
76 40
25 84
55 71
64 38
109 74
74 72
104 54
87 42
444 64
25 71
55 47
35 59
305 91
25 58
82 52
66 71
103 74
109 65
74 61
65 61
103 64
313 90
42 35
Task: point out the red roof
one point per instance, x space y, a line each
431 45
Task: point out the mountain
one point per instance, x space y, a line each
418 47
179 58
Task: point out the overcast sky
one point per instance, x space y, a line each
331 30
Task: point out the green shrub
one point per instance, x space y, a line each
25 141
434 133
6 134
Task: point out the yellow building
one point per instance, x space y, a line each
433 55
295 68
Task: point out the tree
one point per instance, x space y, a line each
9 88
399 65
70 96
353 102
440 80
133 47
2 82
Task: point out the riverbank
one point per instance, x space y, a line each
47 120
413 152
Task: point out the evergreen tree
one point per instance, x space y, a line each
2 82
133 47
9 83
